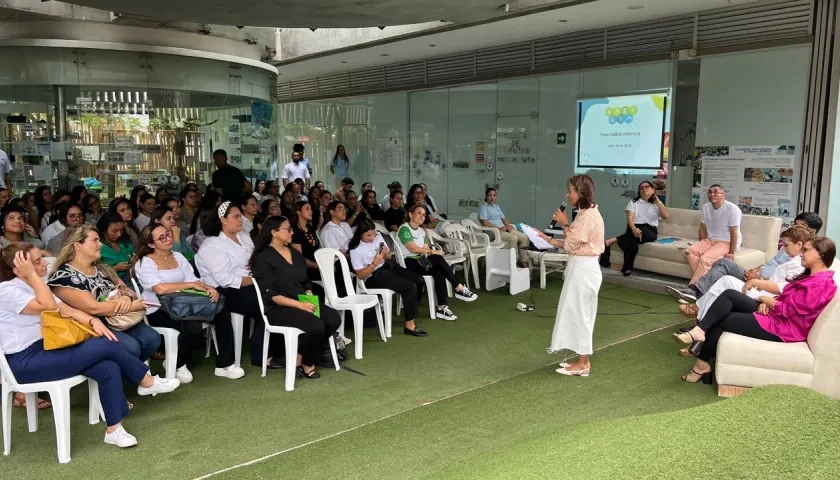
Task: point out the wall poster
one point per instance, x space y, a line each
387 155
759 179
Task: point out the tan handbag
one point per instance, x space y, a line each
62 332
123 322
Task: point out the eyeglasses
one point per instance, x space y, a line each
286 228
165 236
76 216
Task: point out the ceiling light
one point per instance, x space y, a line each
562 21
635 7
344 61
432 45
384 55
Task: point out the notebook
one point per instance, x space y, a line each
314 300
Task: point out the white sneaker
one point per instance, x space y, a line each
232 372
120 438
160 385
466 295
445 313
184 375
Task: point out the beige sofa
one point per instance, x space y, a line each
748 362
760 244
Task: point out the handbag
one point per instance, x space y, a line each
186 306
62 332
123 322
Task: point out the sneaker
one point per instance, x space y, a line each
232 372
466 295
120 438
184 375
160 385
684 294
445 313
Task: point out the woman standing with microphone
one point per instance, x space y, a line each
578 306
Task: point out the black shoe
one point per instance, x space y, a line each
312 375
414 333
604 258
627 273
276 364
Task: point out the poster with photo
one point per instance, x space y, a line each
759 179
234 133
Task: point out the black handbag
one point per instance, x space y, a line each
190 306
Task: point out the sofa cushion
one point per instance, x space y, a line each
662 251
789 357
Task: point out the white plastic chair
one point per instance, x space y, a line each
386 300
59 391
502 270
356 304
494 234
476 243
457 258
430 280
290 335
170 340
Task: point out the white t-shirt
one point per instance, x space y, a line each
142 221
336 235
644 212
17 331
223 262
149 274
292 171
407 234
362 256
5 167
54 229
718 221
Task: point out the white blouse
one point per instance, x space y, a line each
362 256
54 229
644 212
142 221
335 235
17 331
222 262
149 274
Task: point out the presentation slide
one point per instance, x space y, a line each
621 132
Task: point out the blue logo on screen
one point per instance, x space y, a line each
621 115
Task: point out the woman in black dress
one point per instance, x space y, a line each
280 272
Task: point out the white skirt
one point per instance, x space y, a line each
578 306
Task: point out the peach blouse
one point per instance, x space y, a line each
585 235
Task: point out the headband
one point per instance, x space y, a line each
223 209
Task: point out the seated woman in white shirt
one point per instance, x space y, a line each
146 208
793 240
13 228
371 257
222 263
336 233
69 214
102 358
643 215
161 271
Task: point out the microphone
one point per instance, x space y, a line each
554 222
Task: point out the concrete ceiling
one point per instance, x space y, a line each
447 40
317 13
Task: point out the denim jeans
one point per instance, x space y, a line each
141 341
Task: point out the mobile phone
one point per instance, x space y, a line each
382 247
150 303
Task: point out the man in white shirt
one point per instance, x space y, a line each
720 233
298 147
295 169
6 172
337 233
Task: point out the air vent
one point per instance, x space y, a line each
742 25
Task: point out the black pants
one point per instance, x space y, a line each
629 244
191 337
316 331
732 312
407 284
440 271
244 302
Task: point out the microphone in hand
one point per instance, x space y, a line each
554 222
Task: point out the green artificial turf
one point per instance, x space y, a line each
397 420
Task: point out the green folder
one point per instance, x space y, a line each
313 299
194 292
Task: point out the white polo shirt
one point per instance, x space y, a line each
5 167
336 235
718 221
17 331
644 212
293 171
362 256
